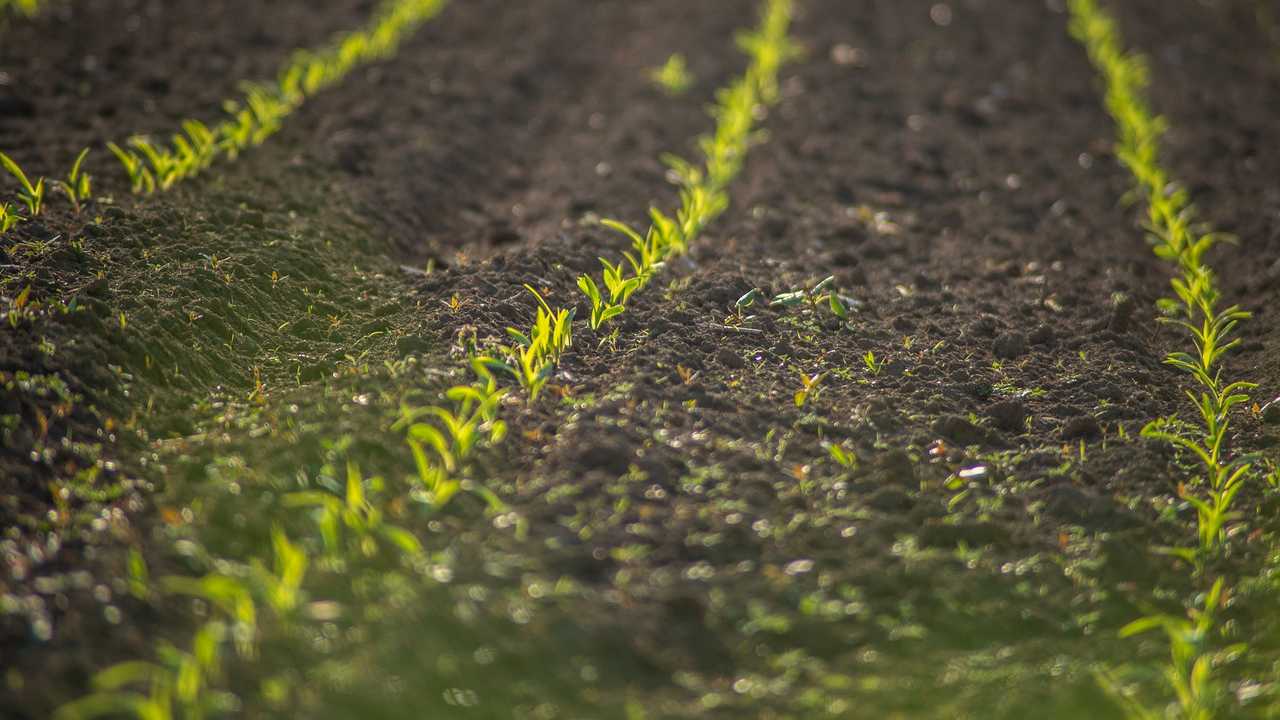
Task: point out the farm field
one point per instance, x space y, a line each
639 359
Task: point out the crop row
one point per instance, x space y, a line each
26 8
1210 329
703 193
351 522
153 165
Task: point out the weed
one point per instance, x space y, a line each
674 76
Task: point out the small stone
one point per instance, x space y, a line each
1042 335
1082 427
730 359
960 430
1271 412
890 499
1122 314
1010 345
1009 415
410 344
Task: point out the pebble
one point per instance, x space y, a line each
1271 412
960 430
1081 427
1010 345
730 359
1010 415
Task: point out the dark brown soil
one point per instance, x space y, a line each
951 169
90 72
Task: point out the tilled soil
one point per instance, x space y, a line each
686 545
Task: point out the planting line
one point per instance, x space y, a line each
25 8
1178 238
442 439
155 166
537 351
703 195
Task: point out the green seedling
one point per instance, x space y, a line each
601 310
674 76
844 458
747 300
809 387
31 195
141 179
179 686
1192 659
533 359
77 187
8 218
824 293
138 576
353 513
440 451
282 583
871 363
26 8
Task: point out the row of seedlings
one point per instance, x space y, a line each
152 165
1195 641
442 447
184 682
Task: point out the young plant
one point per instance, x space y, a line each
8 218
1192 661
533 358
178 686
844 458
441 450
809 387
824 293
141 179
601 310
871 363
26 8
353 511
674 76
282 583
77 187
264 107
31 195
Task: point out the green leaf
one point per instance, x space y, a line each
837 306
401 538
